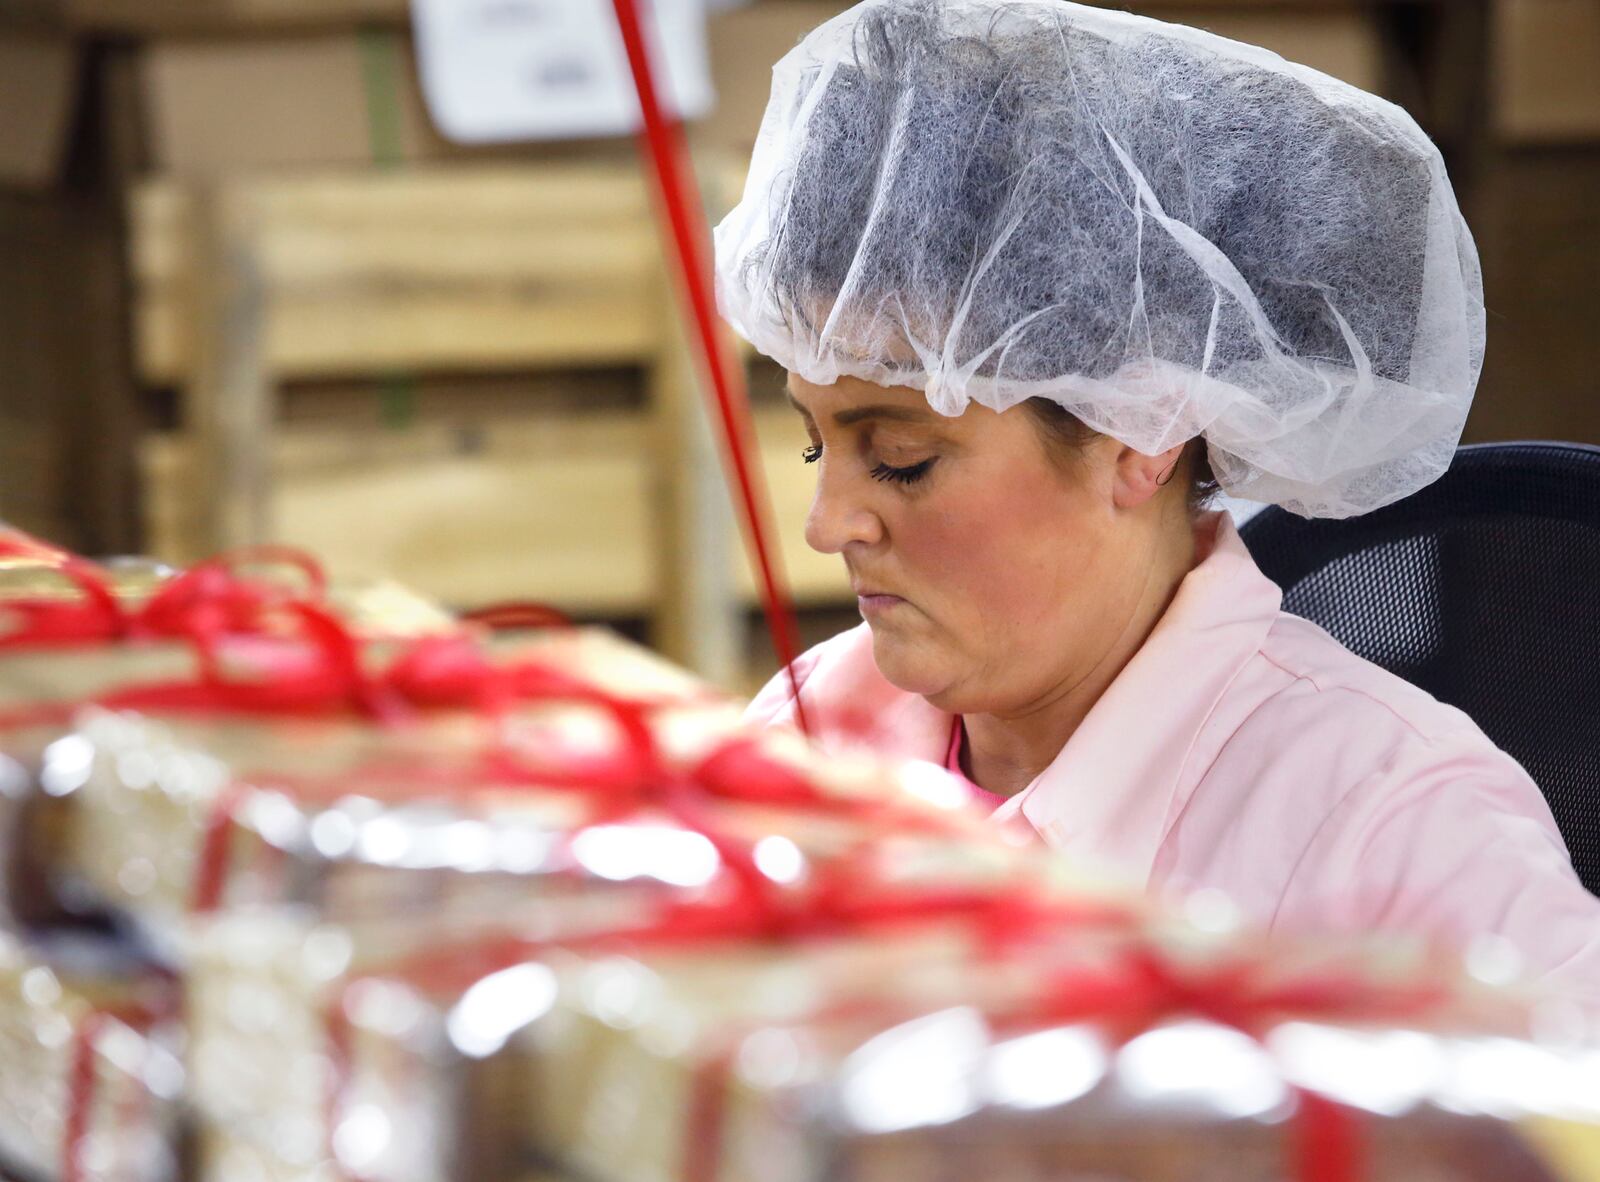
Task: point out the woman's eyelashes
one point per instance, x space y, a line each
908 475
886 472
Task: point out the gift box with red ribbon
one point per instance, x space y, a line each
73 630
411 1040
435 813
451 907
90 1083
1143 1056
894 1032
738 862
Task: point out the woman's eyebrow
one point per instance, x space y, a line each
903 414
856 414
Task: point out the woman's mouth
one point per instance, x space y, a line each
876 602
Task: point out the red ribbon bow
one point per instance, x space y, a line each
1145 986
208 599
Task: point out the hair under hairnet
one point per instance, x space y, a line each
1168 233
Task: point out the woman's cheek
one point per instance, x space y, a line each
954 555
1003 552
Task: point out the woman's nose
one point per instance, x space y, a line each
839 516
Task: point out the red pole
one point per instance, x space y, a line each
664 145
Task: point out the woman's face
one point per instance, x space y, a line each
994 576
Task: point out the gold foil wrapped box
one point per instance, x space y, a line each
654 1069
1130 1052
87 1065
42 677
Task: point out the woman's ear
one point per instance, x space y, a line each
1140 477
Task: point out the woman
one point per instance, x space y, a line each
1043 276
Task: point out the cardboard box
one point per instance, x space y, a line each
344 98
429 271
1345 41
1547 70
38 86
1536 216
162 17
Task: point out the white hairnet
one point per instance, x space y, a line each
1168 233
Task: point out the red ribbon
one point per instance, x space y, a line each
80 1094
313 664
843 898
740 917
318 669
685 228
1145 987
1245 994
209 598
510 616
82 1076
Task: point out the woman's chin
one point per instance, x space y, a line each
908 666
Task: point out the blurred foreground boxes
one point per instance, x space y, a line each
434 904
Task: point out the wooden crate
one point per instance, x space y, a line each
356 273
555 510
558 508
246 284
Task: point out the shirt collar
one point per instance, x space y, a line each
1112 793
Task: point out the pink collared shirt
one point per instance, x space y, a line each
1246 750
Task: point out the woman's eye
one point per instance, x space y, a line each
812 454
903 475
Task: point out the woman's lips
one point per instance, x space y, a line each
874 602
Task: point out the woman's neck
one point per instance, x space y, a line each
1005 752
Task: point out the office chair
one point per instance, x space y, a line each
1484 590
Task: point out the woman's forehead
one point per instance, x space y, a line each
851 395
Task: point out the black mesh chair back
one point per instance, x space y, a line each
1483 589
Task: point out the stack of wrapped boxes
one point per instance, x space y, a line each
327 885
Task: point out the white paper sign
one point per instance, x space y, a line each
497 71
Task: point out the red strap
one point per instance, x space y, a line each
706 1119
685 225
505 617
80 1095
1325 1141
